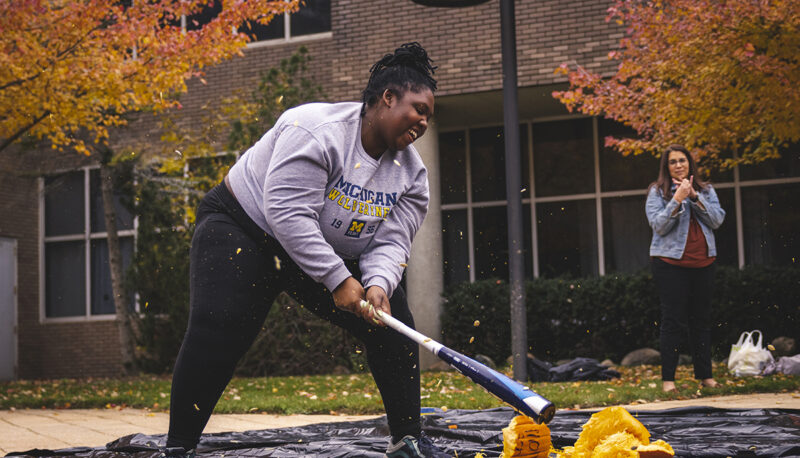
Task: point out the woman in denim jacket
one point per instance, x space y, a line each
683 211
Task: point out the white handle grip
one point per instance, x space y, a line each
432 345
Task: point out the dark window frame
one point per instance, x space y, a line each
87 238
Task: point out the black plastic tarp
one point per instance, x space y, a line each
692 432
577 369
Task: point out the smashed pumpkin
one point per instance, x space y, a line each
614 432
524 438
657 449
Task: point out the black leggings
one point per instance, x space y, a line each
685 309
234 279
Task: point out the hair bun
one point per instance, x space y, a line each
409 67
411 55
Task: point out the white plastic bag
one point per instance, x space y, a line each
789 365
747 357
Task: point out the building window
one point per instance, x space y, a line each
198 20
77 277
626 234
313 17
563 157
567 233
584 215
771 222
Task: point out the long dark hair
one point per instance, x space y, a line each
409 67
664 181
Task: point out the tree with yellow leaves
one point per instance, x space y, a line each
719 76
70 70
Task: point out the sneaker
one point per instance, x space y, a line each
406 448
411 447
176 452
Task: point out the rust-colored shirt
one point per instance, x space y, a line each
695 254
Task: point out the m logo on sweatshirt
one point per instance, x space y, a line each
356 226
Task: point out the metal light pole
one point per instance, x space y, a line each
516 266
516 263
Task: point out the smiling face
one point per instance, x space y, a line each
678 165
405 118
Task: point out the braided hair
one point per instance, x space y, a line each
409 68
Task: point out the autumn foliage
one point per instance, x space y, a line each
70 70
720 76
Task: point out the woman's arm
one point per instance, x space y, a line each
662 216
707 208
294 194
384 259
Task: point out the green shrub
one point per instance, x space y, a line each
160 275
609 316
296 342
758 297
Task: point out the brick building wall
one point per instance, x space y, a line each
464 42
19 219
46 350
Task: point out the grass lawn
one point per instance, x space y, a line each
356 393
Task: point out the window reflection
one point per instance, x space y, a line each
276 28
566 217
725 236
567 238
452 167
487 163
204 16
65 286
67 236
491 242
314 16
771 220
788 165
124 217
455 246
618 172
626 234
64 204
102 292
563 157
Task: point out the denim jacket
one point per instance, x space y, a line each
670 231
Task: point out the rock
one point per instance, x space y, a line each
510 359
683 360
642 356
340 370
784 346
562 361
440 366
485 360
607 363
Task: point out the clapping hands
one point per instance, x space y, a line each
685 189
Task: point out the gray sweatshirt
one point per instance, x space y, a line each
309 184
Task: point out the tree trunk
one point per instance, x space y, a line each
127 340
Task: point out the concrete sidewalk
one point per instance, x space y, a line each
22 430
27 429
